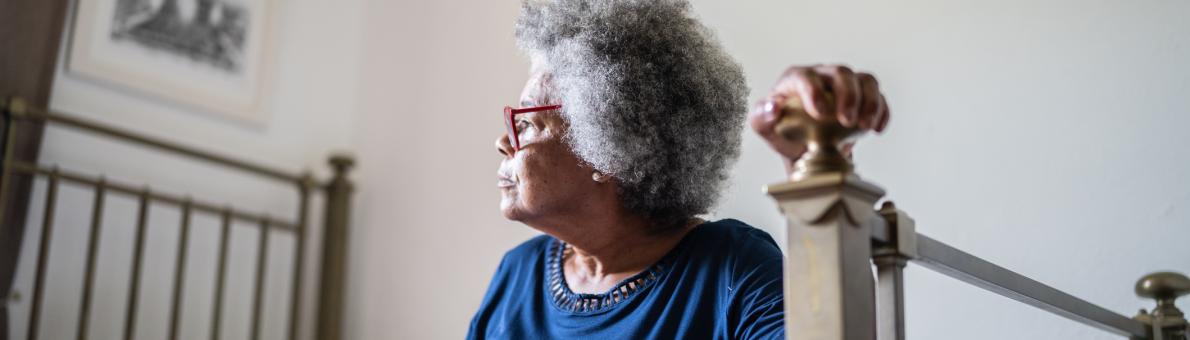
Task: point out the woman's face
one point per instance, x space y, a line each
543 179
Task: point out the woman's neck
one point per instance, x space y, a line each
597 261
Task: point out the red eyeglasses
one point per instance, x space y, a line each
510 121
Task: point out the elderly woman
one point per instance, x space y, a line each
625 134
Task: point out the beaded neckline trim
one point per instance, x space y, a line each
568 300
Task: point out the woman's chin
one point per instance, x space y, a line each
508 207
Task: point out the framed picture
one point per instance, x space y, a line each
214 55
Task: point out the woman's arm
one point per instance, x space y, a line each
759 297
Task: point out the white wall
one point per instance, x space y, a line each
1042 136
311 113
428 232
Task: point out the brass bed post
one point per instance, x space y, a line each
334 249
829 289
11 107
835 236
32 35
1166 322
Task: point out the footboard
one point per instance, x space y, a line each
835 237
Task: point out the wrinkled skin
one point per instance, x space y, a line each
546 186
544 178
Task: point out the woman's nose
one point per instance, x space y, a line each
503 146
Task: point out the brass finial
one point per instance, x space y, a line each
1165 287
306 180
342 162
823 138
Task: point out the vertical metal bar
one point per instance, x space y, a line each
334 250
92 247
43 253
890 258
890 297
219 273
180 269
10 140
299 252
138 251
261 267
10 236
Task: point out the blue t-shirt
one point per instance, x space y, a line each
722 281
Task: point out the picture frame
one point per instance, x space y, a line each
213 55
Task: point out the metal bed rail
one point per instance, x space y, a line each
336 191
955 263
835 237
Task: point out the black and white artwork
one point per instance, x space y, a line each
213 33
212 55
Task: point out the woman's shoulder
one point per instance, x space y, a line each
735 244
737 233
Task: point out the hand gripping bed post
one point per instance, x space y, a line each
829 289
834 236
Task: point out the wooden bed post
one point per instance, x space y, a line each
334 250
829 289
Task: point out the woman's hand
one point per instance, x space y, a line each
857 102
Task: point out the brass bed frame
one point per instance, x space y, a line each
835 237
336 191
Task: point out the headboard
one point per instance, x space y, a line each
335 193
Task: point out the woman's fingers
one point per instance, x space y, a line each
871 103
764 118
834 91
884 115
805 83
845 86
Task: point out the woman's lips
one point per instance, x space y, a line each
503 181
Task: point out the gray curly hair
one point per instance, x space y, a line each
649 95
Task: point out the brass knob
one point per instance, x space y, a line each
823 138
342 161
1163 286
